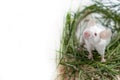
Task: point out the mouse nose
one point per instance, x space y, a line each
86 34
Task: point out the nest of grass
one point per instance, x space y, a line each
73 64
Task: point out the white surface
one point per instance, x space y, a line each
30 32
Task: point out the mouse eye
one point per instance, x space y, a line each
95 34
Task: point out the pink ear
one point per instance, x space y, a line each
86 34
105 34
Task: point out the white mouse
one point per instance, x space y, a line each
96 37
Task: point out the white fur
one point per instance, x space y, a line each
95 41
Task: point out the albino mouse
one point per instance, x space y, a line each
96 37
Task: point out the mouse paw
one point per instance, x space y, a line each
103 60
90 56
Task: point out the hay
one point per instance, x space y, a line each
73 64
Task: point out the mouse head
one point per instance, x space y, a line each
91 35
96 36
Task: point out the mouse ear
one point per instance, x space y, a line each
106 34
86 34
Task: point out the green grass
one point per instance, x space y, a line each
75 63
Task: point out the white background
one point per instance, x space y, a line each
30 33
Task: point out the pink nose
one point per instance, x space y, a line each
86 34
